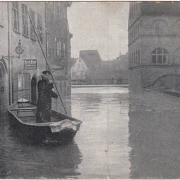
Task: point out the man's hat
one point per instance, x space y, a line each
46 72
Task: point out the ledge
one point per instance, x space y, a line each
172 93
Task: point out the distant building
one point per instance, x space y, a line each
93 61
79 70
154 42
116 69
90 69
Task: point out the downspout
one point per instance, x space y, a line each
46 35
9 58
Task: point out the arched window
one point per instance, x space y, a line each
177 56
176 27
160 56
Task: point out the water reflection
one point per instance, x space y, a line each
19 160
3 168
94 101
104 133
100 149
154 136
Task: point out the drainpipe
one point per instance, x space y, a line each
9 58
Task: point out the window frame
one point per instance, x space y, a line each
1 15
33 18
59 49
15 14
25 24
24 85
158 55
40 28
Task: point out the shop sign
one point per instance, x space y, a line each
30 64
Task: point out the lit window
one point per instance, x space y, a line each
25 20
159 56
15 9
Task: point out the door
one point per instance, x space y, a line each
3 88
34 89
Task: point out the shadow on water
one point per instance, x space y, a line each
93 100
22 160
154 129
3 168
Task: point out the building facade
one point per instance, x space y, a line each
59 48
154 42
25 28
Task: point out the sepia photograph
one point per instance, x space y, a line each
89 90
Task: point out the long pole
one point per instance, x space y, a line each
47 63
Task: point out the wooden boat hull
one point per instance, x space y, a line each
62 131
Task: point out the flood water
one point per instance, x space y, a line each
123 135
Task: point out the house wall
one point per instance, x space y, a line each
58 50
31 50
154 31
9 39
4 85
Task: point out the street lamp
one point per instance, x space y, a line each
19 49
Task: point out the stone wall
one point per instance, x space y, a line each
146 76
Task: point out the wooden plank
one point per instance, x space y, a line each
19 108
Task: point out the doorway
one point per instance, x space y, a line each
34 89
3 87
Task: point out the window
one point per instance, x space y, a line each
139 58
24 86
134 56
15 9
159 56
130 11
64 48
39 28
25 20
59 48
63 51
177 56
1 13
32 33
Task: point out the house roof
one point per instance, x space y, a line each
91 58
72 62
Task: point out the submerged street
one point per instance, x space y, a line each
123 135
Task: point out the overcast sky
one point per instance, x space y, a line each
99 26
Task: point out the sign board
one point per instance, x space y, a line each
30 64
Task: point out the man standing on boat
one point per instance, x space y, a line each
45 93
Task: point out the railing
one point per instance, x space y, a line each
99 81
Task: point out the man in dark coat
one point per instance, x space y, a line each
45 93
